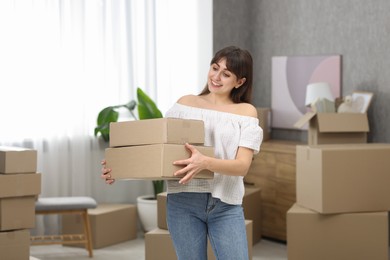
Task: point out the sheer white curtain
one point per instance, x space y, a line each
62 61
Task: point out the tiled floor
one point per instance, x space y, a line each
135 250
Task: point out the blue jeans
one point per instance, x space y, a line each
192 217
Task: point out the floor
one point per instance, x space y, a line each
134 250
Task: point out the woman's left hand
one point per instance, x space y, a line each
193 165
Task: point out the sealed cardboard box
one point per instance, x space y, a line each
158 244
17 213
344 177
264 116
110 224
17 185
151 162
156 131
357 236
17 160
251 205
335 128
15 244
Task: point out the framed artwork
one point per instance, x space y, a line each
291 75
362 100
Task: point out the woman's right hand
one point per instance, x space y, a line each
106 173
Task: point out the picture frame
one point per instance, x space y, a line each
362 100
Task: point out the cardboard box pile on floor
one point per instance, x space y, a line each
146 149
343 199
19 186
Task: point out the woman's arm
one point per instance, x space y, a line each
198 162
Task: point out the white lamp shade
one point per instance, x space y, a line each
318 90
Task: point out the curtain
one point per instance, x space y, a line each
61 63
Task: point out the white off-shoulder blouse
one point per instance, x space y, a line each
226 132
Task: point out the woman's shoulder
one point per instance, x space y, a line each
246 109
188 100
242 109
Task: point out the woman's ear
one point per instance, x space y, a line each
240 82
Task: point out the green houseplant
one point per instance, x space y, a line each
147 109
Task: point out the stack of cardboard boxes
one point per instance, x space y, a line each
19 186
343 197
145 149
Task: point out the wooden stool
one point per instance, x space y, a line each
66 205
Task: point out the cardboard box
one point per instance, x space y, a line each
251 205
356 236
344 178
15 245
152 162
17 200
156 131
158 244
264 116
162 210
110 224
17 213
17 160
17 185
335 128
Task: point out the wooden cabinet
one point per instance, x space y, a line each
273 170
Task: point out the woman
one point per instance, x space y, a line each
198 209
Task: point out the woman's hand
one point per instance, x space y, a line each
106 173
193 165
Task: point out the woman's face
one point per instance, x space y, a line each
221 80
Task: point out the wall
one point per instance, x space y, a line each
358 30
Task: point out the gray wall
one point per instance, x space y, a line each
358 30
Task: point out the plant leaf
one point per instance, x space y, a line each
147 109
105 117
158 187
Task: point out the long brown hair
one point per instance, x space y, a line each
240 63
